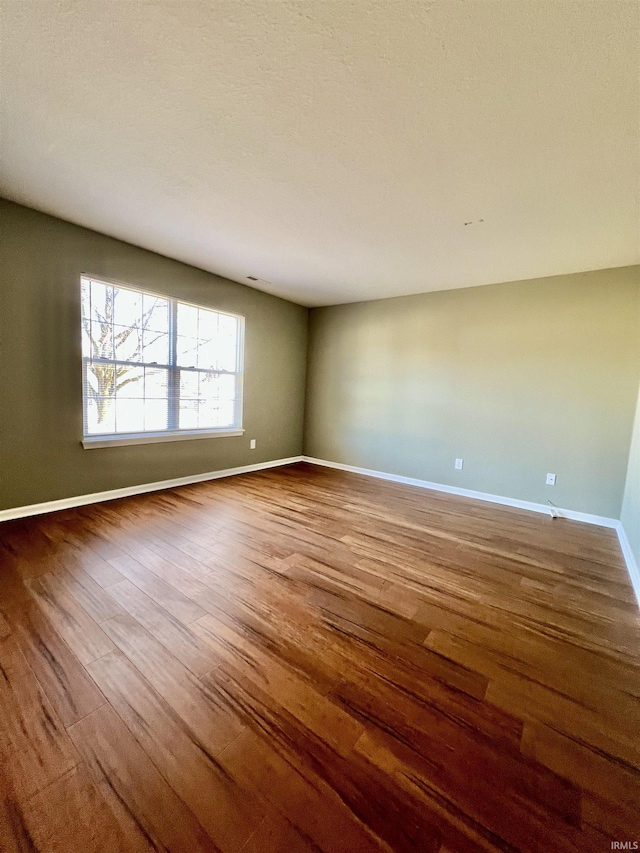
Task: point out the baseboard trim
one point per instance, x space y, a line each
630 560
128 491
573 515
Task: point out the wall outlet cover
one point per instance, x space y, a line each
459 464
253 444
551 479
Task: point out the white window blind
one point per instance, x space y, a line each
154 366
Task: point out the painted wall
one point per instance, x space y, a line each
41 459
630 515
518 379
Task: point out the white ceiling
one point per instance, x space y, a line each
334 149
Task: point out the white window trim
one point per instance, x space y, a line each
90 442
121 439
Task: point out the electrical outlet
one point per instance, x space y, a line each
459 463
253 444
551 479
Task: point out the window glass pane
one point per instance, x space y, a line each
101 302
127 307
217 400
227 387
187 321
129 415
155 347
101 340
188 414
207 339
100 415
155 314
227 395
187 351
207 414
209 385
156 408
100 379
208 353
99 397
129 381
86 342
97 318
226 412
218 350
86 317
188 385
85 287
127 343
122 327
228 343
155 414
155 382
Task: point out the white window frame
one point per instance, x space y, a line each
173 432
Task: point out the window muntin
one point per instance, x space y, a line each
156 365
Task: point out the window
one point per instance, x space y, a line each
155 368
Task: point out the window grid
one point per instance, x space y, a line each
115 388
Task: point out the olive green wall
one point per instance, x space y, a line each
41 459
518 379
630 515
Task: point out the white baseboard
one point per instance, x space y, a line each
128 491
632 565
574 515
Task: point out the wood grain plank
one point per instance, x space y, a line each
181 640
292 692
5 629
183 552
291 633
211 721
313 660
162 593
525 693
89 594
32 738
15 836
176 576
85 637
71 814
304 800
147 809
275 835
64 680
589 768
227 812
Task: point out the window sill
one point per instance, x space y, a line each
95 441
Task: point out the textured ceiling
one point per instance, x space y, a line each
334 150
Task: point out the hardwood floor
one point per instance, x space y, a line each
306 660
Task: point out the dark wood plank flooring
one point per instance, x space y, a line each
306 660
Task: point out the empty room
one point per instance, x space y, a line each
319 426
